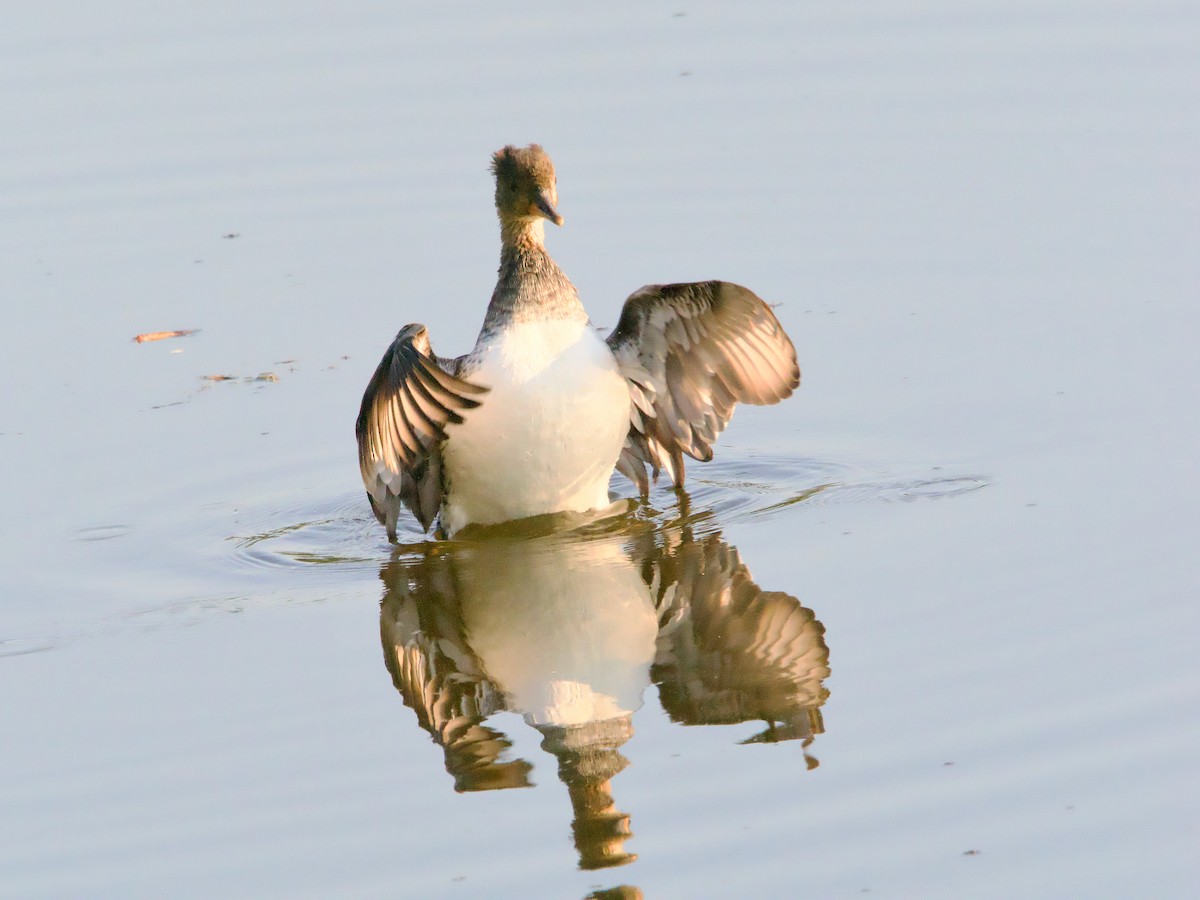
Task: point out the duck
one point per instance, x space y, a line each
535 419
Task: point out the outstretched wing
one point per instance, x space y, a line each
408 403
690 353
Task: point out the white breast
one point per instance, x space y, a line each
546 437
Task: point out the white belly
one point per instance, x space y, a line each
546 437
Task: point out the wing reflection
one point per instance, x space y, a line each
568 630
731 652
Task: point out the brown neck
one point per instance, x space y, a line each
530 285
522 234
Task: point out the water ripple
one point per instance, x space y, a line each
340 533
102 532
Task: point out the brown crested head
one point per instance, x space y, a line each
525 184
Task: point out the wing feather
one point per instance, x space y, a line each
401 424
691 353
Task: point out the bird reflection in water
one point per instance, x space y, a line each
568 628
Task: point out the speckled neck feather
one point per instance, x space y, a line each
530 285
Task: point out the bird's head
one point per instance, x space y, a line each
526 188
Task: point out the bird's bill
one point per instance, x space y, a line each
546 209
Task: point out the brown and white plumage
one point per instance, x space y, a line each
408 403
536 417
690 353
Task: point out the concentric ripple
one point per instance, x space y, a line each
341 534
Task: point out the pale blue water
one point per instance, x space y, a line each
980 225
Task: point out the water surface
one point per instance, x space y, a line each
924 630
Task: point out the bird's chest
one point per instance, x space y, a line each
549 430
547 380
